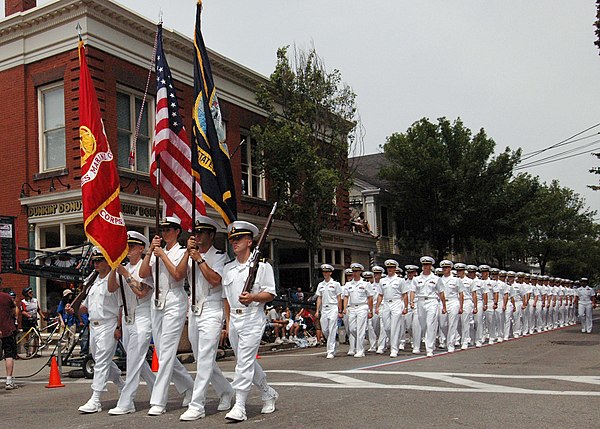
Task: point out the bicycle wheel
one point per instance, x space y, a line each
28 344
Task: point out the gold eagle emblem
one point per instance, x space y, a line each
87 143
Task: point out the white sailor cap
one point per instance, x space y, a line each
534 277
471 268
545 278
427 260
391 263
411 268
584 279
438 271
483 268
398 270
204 223
494 271
522 274
355 266
367 274
446 263
527 275
551 279
576 283
510 274
173 221
377 269
459 266
97 254
240 227
348 271
327 267
134 237
502 273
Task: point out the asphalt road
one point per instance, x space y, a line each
550 379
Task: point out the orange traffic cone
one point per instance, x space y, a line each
154 366
54 375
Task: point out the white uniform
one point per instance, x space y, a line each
246 327
477 287
136 338
393 290
103 310
204 330
509 312
167 325
358 293
501 310
467 321
490 288
453 288
329 292
426 289
584 295
518 313
537 308
374 323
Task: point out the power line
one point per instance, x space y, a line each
560 143
557 155
533 164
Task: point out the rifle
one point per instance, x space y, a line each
255 255
84 291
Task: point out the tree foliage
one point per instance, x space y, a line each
455 196
303 144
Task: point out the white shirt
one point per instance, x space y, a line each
427 286
165 280
358 292
468 284
215 259
453 286
234 278
392 288
329 292
132 299
101 304
585 295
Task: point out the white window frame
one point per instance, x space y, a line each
150 112
246 166
42 90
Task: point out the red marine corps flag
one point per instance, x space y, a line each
102 218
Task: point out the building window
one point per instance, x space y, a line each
253 183
385 229
74 234
128 111
330 256
51 101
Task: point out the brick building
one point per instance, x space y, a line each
39 139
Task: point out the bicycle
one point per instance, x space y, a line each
32 341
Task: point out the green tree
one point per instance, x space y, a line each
447 182
304 142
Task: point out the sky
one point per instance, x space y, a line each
527 72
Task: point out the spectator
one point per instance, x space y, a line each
30 310
8 335
298 296
68 319
275 322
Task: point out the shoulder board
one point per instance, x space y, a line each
263 260
220 252
182 247
228 262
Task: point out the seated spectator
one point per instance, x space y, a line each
298 323
298 296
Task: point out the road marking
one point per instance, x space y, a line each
343 380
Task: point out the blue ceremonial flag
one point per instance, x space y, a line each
210 156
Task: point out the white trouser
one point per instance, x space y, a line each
382 341
245 333
393 322
554 310
452 307
531 316
103 346
408 322
373 331
508 319
204 332
499 320
442 325
537 312
524 319
329 325
518 318
428 322
467 322
136 339
544 317
490 321
357 321
479 323
585 315
167 326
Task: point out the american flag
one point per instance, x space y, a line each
172 144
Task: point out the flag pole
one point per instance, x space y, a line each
157 226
